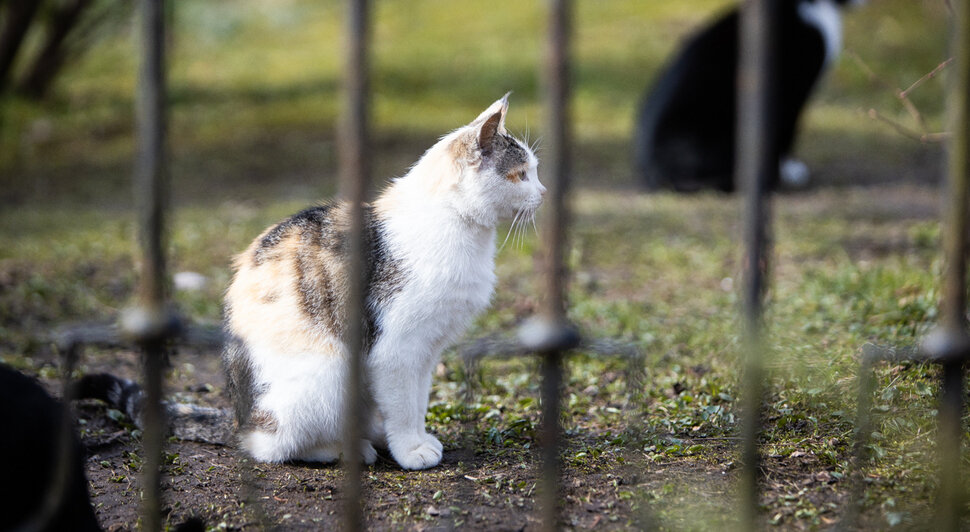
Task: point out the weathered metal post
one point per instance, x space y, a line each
150 323
556 177
354 177
756 166
863 427
949 343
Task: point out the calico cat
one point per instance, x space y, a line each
685 136
430 245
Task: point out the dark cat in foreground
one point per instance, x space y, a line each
44 487
685 136
33 423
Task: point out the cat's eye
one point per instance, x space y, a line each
521 175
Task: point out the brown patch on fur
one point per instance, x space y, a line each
321 276
262 420
515 176
460 149
291 285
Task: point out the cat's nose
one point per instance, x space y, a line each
542 191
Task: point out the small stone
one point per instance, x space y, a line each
189 281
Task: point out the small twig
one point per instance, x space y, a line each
925 138
939 136
930 75
914 112
903 95
901 129
924 135
873 77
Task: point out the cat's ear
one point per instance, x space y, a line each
492 121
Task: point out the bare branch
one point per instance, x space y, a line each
923 135
925 138
930 75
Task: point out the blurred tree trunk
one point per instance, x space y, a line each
53 53
17 18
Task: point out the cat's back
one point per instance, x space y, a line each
290 283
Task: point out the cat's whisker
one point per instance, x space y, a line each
511 227
524 227
518 232
536 146
515 231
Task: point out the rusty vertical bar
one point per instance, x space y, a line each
756 167
354 176
863 428
949 342
149 324
557 177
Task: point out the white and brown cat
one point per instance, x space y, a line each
430 241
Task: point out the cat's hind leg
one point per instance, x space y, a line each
299 406
267 446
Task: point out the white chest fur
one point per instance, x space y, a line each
824 15
449 274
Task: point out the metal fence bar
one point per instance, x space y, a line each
557 178
756 166
354 177
949 343
149 324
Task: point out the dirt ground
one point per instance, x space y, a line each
469 490
215 483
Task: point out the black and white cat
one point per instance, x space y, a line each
685 131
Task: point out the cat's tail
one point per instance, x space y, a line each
186 421
121 394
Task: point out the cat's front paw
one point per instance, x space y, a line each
419 451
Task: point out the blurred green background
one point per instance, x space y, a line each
255 89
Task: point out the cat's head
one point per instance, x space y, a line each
497 173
